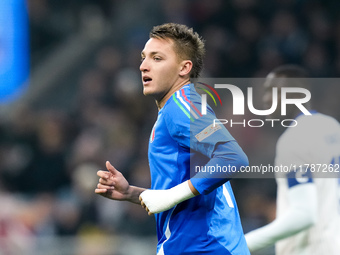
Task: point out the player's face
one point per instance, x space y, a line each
269 84
268 95
160 67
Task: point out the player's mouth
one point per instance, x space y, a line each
146 80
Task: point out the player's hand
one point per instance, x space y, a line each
112 184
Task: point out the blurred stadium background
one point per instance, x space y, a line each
71 98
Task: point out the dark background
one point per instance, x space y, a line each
84 105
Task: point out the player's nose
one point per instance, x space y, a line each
144 66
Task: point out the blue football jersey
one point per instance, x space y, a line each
208 223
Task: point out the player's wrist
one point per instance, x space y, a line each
132 194
162 200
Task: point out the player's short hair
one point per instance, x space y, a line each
291 71
291 75
297 76
188 44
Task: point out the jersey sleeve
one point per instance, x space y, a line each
227 159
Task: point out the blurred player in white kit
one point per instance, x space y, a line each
308 205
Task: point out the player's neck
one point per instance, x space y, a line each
160 103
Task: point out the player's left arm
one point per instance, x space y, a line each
228 156
227 153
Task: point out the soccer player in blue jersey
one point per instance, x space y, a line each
195 213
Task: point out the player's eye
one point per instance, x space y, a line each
157 58
142 59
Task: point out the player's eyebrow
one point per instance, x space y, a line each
151 53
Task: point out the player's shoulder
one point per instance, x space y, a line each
307 125
309 129
184 104
328 121
317 118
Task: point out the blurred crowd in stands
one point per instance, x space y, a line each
49 156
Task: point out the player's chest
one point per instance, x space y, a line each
160 139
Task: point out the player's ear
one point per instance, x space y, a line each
185 67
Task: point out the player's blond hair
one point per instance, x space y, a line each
188 44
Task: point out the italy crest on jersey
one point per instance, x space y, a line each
152 135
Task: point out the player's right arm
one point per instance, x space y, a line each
302 214
113 185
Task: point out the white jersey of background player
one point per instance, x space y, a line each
308 213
